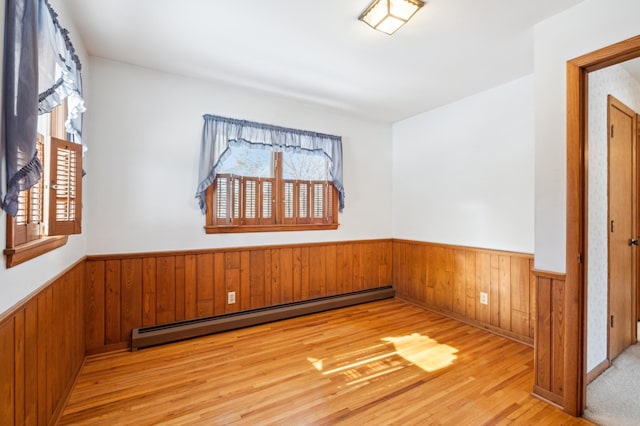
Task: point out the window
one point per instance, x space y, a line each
260 190
258 177
41 101
51 209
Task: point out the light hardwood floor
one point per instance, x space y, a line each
385 362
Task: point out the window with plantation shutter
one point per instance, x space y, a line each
51 209
255 177
42 98
274 198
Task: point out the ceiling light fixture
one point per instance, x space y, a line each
389 15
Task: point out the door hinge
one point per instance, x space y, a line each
612 130
613 225
579 257
611 321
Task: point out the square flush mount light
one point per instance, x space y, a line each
389 15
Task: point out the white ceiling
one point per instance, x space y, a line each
318 51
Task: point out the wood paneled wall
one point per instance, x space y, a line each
550 340
93 306
449 279
41 351
129 291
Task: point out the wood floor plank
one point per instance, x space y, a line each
384 362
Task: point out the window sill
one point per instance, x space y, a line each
33 249
227 229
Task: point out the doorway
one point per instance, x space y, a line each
578 70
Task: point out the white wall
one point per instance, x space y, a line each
20 281
618 82
588 26
145 129
463 173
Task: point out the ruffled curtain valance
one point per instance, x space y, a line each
59 69
41 69
221 132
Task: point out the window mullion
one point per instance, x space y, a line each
278 195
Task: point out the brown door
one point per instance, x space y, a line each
622 226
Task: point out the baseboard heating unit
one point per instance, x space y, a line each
180 330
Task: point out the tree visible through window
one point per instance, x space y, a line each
258 189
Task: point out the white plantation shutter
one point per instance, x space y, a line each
65 210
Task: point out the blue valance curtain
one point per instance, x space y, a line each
221 132
41 69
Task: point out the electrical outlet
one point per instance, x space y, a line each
484 298
231 297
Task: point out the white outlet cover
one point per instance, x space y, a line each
484 299
231 297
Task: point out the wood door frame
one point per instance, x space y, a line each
575 286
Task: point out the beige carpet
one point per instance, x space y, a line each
614 397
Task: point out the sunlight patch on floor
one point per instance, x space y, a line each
395 353
423 352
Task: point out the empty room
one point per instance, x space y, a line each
320 212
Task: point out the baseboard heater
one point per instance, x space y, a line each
180 330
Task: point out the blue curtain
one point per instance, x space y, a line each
220 132
41 69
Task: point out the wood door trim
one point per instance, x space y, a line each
575 301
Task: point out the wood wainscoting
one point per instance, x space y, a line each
42 350
94 305
550 348
449 279
129 291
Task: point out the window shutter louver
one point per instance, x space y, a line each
23 207
267 201
236 194
65 210
303 203
289 202
250 196
222 195
36 199
29 219
318 202
331 202
251 201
